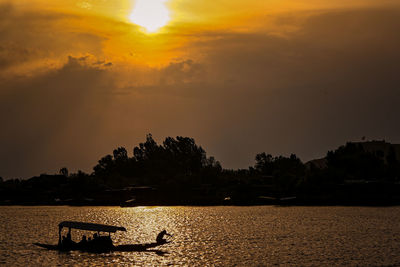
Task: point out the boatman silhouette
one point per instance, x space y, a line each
160 236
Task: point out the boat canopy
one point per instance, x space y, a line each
91 227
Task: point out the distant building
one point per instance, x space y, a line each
379 147
317 163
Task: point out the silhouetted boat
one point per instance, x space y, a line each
99 244
128 203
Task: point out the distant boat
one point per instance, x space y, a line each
287 198
99 244
129 203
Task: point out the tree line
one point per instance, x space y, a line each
182 173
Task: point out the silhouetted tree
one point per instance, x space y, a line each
64 172
120 154
147 150
288 172
391 158
104 167
184 154
264 163
353 162
284 172
393 165
211 162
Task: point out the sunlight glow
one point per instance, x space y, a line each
150 14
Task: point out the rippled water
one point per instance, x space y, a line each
244 236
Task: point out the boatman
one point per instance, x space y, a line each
160 236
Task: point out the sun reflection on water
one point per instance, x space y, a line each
244 236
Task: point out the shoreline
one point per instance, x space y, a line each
208 205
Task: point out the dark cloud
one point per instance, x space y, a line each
48 117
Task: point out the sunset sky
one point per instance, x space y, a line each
80 78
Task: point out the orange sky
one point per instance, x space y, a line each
75 24
79 78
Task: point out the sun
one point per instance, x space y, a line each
150 14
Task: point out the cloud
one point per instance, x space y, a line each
332 79
181 72
33 40
46 118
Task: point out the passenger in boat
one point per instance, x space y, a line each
83 241
160 236
66 241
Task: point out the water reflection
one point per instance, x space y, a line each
251 236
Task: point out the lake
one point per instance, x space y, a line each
218 236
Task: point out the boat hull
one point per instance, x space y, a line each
120 248
138 247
